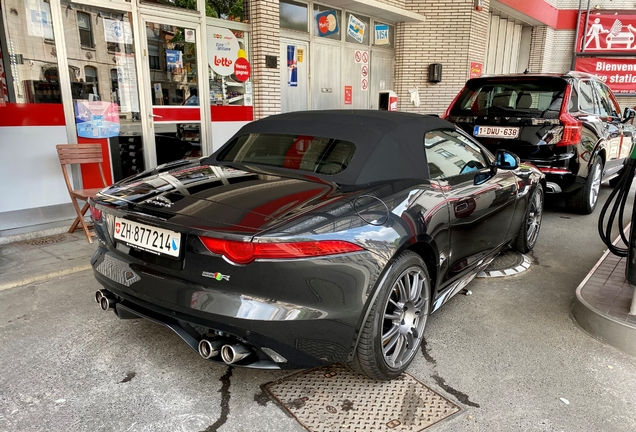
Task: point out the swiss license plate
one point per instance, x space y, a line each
148 238
496 132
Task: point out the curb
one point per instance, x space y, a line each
44 277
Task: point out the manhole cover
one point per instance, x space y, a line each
336 398
42 241
507 263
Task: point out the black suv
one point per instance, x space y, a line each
568 125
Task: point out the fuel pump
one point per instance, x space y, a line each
619 196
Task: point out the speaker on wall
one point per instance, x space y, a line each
435 72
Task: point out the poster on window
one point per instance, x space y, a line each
292 66
127 83
327 23
223 50
38 18
382 34
355 29
117 31
96 119
174 61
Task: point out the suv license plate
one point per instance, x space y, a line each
151 239
496 132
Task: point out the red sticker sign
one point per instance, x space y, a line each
358 56
364 84
242 69
365 57
365 71
348 95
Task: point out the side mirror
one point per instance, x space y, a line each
506 160
628 115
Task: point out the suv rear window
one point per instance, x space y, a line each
523 98
303 153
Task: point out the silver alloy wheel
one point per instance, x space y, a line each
596 185
405 316
534 217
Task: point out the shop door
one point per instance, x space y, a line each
294 75
326 67
382 73
355 77
171 90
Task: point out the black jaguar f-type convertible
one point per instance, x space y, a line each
313 237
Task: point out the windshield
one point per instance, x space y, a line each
523 98
303 153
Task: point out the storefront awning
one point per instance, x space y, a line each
378 10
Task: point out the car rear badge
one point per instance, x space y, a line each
159 201
218 276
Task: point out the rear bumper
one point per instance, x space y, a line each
304 336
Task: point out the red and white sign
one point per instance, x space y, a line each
242 69
365 71
607 33
357 56
223 50
476 69
618 73
365 57
4 95
348 95
364 84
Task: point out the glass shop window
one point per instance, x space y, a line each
293 16
28 59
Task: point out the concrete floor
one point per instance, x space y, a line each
507 355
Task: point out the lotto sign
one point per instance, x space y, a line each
223 50
365 71
381 34
364 84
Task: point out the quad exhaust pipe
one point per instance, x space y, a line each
209 348
234 353
230 353
105 300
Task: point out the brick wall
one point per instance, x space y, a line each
264 16
454 34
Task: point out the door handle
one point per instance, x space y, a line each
155 116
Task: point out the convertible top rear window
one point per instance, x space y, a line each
303 153
540 98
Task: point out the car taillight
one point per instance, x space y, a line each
96 213
246 252
572 128
448 110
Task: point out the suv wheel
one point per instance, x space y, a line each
529 230
584 200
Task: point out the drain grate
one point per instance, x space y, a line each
42 241
507 263
336 398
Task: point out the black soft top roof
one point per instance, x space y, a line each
389 145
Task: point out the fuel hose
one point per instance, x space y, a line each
617 201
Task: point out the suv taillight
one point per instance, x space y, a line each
572 128
448 110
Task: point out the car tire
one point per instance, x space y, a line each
397 318
529 229
585 199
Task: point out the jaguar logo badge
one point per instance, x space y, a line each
218 276
159 201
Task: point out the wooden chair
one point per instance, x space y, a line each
80 154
